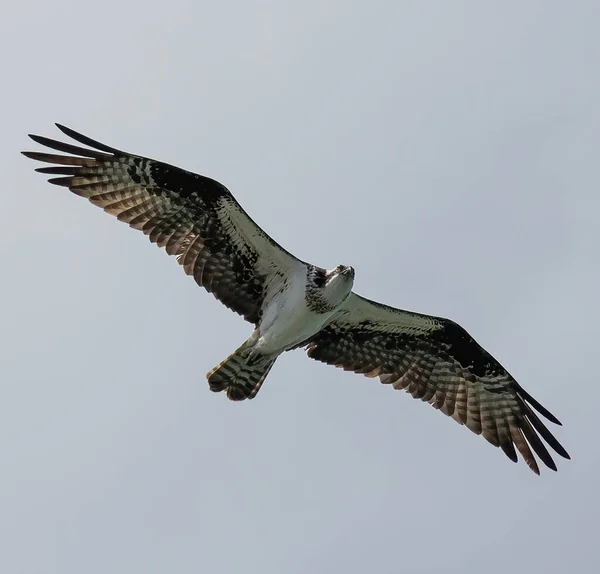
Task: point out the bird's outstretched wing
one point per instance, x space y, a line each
437 361
191 216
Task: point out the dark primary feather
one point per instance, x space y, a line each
437 361
191 216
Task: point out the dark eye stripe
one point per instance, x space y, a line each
319 278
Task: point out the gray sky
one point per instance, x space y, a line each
447 150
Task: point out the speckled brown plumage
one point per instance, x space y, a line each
437 361
187 214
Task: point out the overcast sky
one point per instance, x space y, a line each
447 150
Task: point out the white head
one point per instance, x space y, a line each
326 289
338 284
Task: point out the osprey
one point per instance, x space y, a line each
294 304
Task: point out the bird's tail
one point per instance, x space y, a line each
240 374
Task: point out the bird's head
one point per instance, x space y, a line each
339 283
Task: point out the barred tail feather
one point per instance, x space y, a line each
240 376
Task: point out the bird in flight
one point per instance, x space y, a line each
293 304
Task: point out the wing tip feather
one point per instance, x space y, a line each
85 140
537 406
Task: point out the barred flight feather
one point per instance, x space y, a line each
437 361
191 216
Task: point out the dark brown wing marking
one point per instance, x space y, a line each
437 361
191 216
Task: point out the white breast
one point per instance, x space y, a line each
286 320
